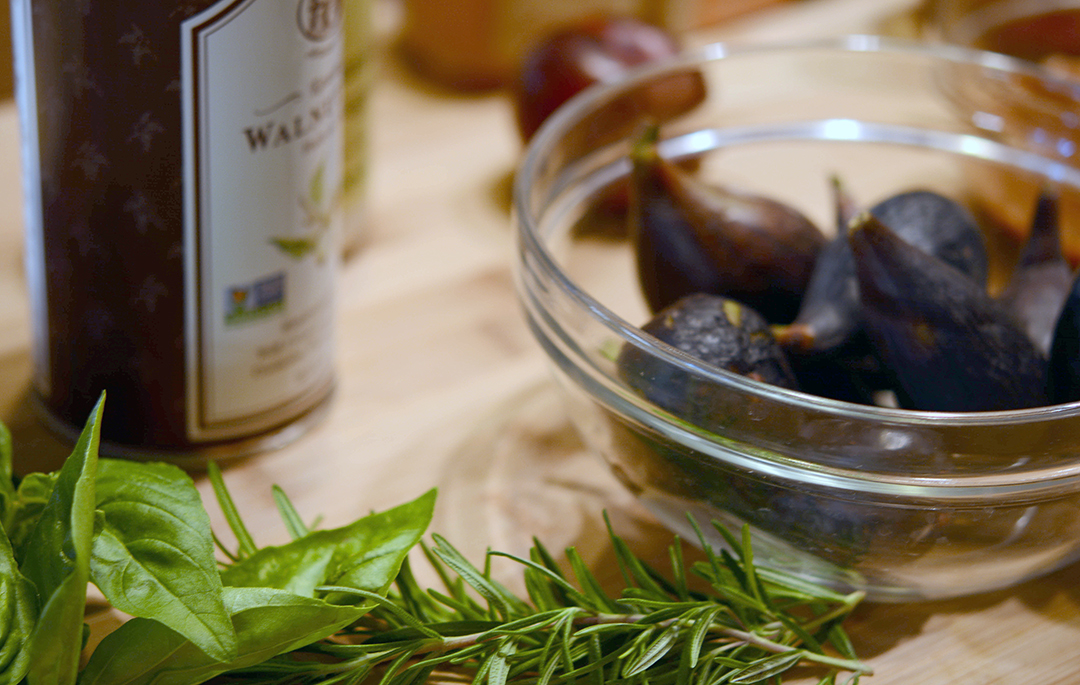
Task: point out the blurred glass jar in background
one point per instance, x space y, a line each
478 44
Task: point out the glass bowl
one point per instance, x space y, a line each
901 504
1035 30
1045 33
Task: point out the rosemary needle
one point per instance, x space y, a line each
752 625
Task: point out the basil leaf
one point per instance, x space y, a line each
154 556
7 484
57 562
365 554
18 614
25 509
268 622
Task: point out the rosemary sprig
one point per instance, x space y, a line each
751 625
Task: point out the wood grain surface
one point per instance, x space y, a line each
441 385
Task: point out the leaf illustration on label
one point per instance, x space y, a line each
318 216
315 186
297 248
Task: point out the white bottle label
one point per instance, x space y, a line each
262 110
22 40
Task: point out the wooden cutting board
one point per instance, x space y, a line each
441 385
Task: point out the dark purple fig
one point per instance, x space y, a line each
948 345
601 48
845 208
848 533
939 226
1063 374
831 357
1037 289
715 330
849 378
829 316
691 237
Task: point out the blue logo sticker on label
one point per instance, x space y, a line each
250 301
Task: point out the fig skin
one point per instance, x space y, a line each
939 226
828 314
1040 283
849 378
601 48
715 330
1063 375
829 353
690 237
947 344
829 317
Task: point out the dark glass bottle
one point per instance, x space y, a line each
128 199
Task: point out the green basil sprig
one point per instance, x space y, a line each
340 605
139 532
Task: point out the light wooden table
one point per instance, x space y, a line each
442 386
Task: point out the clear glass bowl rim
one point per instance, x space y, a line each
546 266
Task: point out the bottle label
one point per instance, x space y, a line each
22 39
262 98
